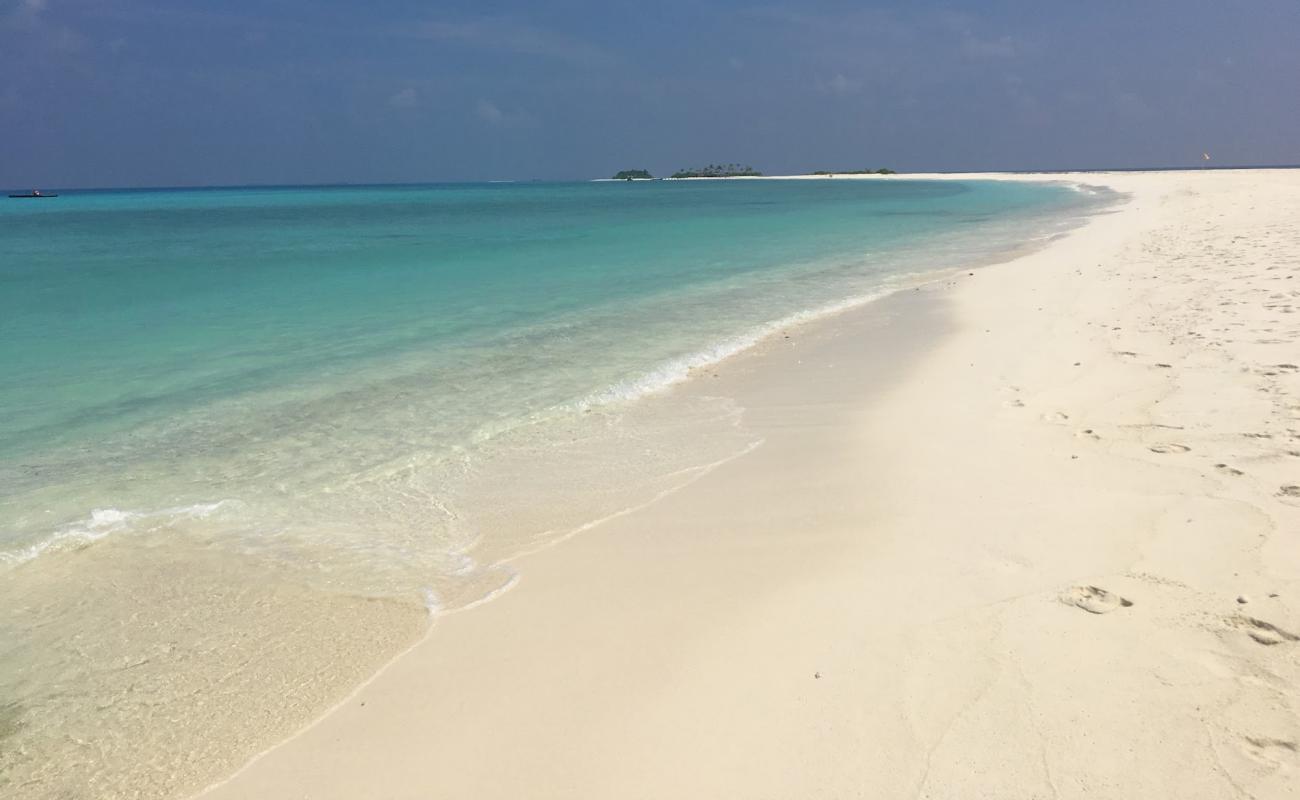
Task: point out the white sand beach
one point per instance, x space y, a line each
1030 531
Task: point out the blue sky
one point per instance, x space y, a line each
145 92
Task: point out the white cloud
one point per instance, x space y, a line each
497 33
494 115
24 14
406 98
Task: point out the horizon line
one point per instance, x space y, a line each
485 181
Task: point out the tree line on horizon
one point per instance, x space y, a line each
734 171
718 171
881 171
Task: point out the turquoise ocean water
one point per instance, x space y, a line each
373 396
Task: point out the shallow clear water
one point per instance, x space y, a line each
365 397
163 350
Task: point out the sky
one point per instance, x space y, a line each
182 92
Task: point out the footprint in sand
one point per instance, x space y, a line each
1290 490
1056 418
1014 401
1094 600
1266 633
1271 750
1169 447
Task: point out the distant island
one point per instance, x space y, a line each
633 175
881 171
718 171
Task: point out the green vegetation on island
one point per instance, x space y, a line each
719 171
633 175
881 171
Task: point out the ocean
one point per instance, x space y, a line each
253 440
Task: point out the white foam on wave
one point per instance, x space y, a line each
495 593
674 371
462 564
436 607
105 521
1090 189
432 603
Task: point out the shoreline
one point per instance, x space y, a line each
658 378
848 413
689 384
644 449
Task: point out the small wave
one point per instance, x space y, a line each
676 370
494 594
101 523
432 603
461 564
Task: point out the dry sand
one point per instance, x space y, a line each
1031 532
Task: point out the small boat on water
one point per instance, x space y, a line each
33 194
